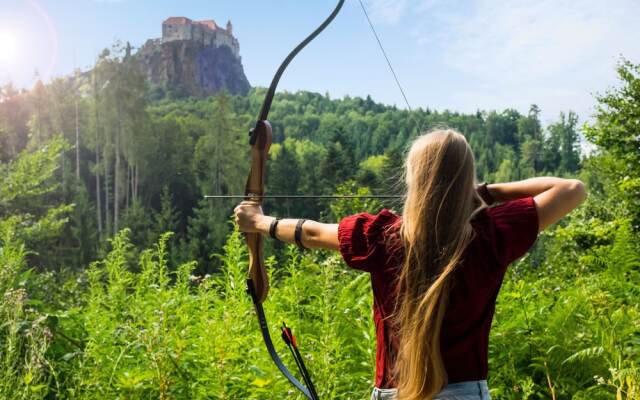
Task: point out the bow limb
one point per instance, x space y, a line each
266 104
261 138
258 281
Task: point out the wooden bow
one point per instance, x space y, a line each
260 141
258 281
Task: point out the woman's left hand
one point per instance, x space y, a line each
248 216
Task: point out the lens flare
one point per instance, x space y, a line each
53 38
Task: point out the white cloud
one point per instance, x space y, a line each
386 11
557 51
534 40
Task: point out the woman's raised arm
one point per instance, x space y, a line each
554 197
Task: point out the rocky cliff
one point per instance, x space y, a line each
190 68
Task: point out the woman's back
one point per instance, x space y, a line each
501 234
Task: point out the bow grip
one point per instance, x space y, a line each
261 138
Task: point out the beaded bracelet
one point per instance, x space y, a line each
298 234
273 227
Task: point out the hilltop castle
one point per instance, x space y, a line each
206 32
193 58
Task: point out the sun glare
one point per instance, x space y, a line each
8 48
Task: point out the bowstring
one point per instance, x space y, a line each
419 124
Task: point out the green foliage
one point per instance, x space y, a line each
162 332
216 155
571 324
144 321
26 206
29 175
24 339
205 232
168 218
82 227
133 142
341 208
283 181
147 329
615 132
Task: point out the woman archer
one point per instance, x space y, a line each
436 270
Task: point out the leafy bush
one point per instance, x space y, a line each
150 332
570 327
25 372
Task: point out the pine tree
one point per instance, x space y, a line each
167 219
284 179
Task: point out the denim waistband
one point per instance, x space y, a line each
469 390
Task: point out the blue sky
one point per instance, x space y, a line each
456 55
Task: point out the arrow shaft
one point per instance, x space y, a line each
304 196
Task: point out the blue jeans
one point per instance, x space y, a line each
470 390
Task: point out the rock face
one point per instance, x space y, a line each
192 68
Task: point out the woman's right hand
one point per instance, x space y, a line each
249 216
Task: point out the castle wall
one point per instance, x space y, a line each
176 32
200 33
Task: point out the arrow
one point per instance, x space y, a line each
304 196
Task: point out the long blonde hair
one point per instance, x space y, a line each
441 199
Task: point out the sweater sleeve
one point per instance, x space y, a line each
362 238
514 229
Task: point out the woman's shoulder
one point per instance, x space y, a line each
509 228
508 213
366 240
370 224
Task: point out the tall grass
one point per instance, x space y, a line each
135 327
25 372
570 328
151 332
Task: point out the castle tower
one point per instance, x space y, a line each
229 27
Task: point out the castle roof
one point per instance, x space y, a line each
209 23
177 21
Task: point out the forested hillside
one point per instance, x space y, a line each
144 163
101 301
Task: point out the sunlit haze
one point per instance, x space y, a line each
481 54
29 43
8 47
